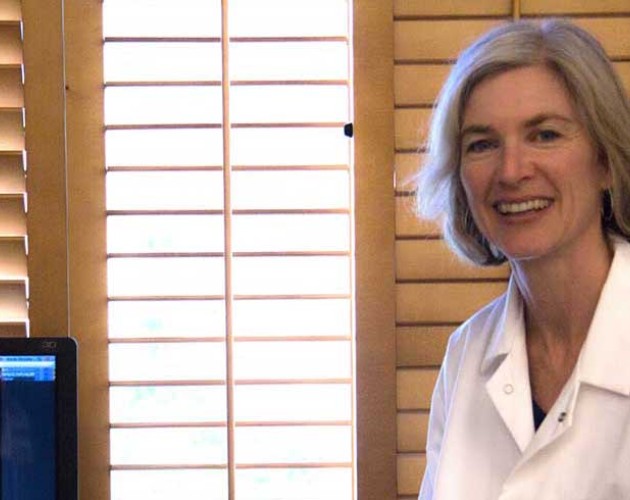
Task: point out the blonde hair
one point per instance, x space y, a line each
599 97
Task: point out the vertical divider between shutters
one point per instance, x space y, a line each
516 10
352 277
227 227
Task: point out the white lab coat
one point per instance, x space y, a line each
481 442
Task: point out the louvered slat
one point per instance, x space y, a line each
13 246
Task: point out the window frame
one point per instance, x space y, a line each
66 223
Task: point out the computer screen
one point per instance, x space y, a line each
27 427
38 443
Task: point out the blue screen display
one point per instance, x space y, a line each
27 428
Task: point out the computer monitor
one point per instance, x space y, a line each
38 419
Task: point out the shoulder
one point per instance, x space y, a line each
466 350
482 325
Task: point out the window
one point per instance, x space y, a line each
229 204
67 223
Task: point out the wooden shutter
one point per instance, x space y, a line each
13 274
435 291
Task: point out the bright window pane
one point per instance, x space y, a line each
289 103
175 147
164 404
307 189
303 232
288 17
166 318
162 18
161 61
297 317
168 277
171 190
153 361
160 105
292 360
164 233
299 444
289 61
169 484
291 275
292 355
296 484
290 146
164 190
296 402
188 446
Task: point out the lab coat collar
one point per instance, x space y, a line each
511 325
603 362
604 359
505 365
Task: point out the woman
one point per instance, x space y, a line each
529 162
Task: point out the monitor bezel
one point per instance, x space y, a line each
66 409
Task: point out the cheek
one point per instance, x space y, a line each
473 183
593 170
591 179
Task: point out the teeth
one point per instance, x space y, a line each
523 206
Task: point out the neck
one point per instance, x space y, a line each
561 293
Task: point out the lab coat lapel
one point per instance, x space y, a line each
603 362
508 386
558 420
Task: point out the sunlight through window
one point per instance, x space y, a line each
230 312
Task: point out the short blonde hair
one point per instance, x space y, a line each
593 84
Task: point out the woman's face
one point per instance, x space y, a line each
529 168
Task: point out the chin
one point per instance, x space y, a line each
525 252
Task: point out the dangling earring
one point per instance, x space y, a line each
608 206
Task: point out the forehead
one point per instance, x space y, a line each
518 94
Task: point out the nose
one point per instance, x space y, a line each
514 167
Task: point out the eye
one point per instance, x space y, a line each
479 146
546 135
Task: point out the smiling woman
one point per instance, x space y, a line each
530 171
528 161
598 104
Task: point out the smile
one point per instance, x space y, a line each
522 206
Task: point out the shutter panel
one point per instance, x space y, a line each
229 248
435 290
13 243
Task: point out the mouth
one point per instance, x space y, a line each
520 207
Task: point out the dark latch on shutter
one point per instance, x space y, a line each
348 130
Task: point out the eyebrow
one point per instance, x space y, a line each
543 117
532 122
475 129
